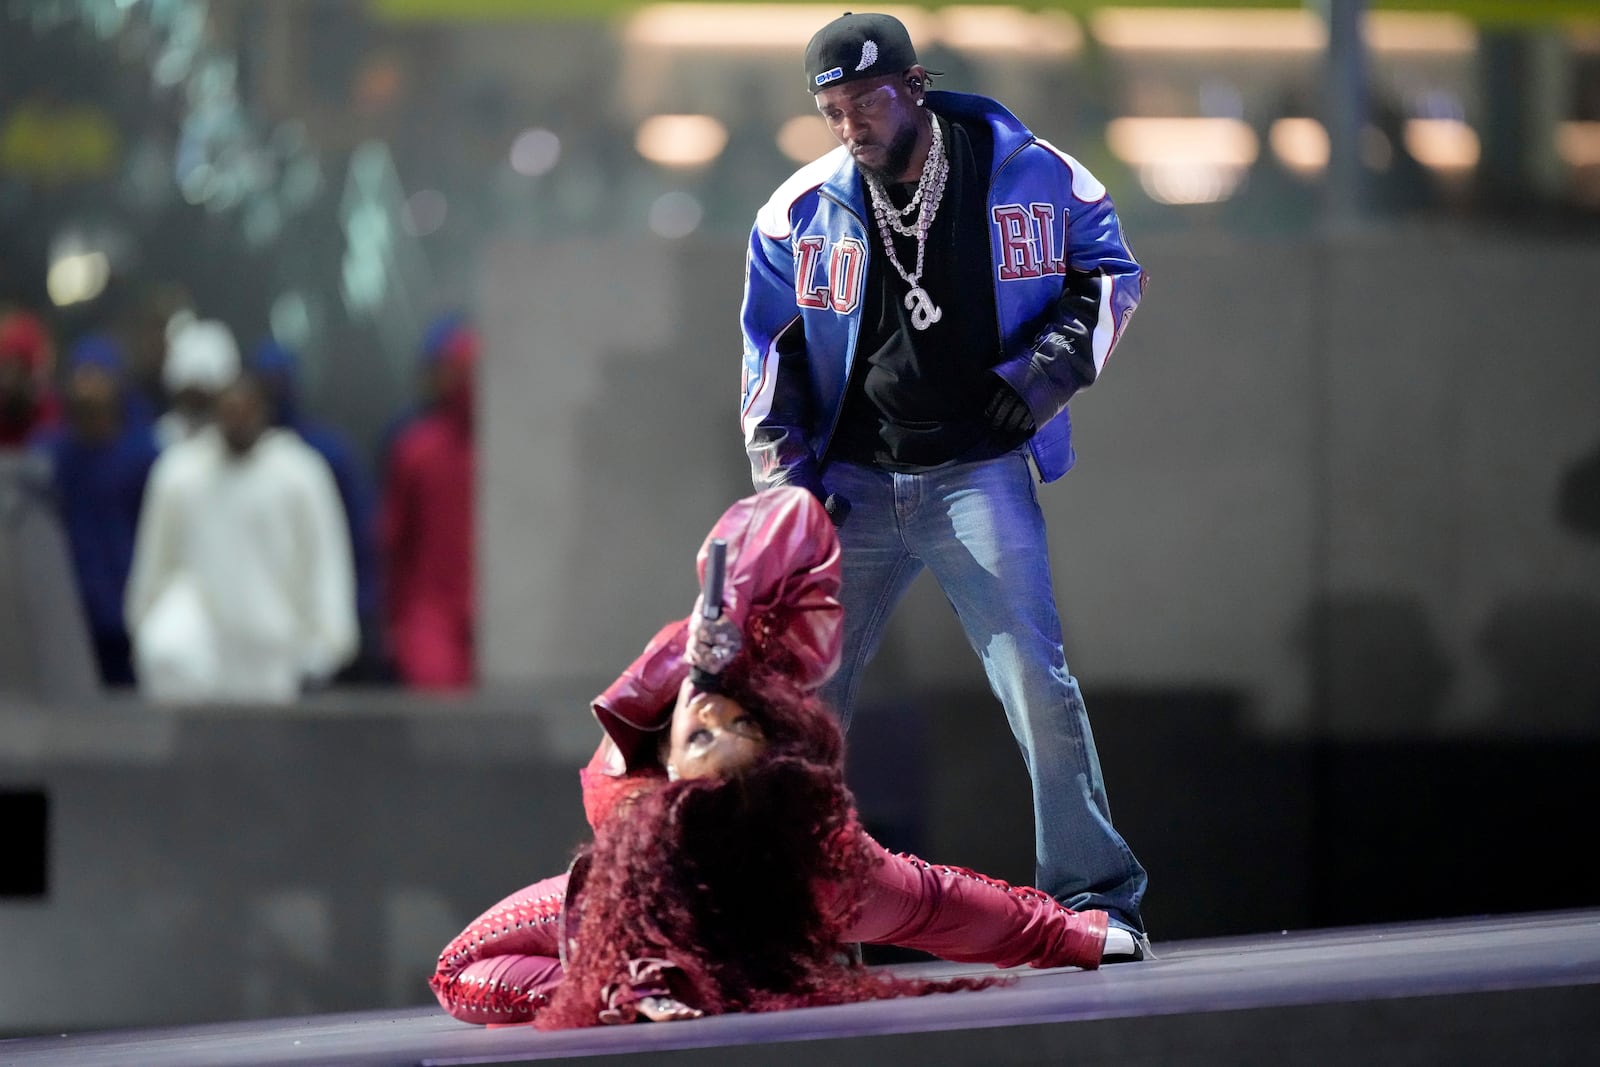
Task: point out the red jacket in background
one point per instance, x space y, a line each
25 351
428 538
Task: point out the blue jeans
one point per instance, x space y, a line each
978 528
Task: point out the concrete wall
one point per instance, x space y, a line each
611 443
244 863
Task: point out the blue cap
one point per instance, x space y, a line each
271 357
440 330
97 350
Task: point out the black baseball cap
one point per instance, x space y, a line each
852 47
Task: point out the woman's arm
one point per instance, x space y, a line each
635 709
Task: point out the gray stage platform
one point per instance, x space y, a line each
1505 990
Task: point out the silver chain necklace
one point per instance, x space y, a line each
930 190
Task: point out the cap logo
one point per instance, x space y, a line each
869 55
830 75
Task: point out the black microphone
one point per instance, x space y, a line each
711 603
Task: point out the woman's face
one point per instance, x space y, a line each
712 736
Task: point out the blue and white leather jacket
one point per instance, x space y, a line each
1065 287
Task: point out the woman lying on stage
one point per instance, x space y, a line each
728 870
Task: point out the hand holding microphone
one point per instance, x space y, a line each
714 639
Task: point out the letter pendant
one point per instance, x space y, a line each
920 304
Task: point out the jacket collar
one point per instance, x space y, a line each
1009 135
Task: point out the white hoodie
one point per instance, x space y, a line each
242 586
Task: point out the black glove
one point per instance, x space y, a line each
1079 303
807 478
1068 341
1006 412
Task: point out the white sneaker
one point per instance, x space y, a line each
1125 946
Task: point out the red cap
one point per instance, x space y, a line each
24 339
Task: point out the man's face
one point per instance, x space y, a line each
94 404
877 120
278 389
242 416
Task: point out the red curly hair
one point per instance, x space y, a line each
722 878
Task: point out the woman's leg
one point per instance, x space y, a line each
505 965
960 915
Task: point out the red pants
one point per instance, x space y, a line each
503 967
433 648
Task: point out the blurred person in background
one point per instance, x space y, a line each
436 339
202 358
27 402
100 459
427 525
242 586
278 368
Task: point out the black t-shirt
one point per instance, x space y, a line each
916 397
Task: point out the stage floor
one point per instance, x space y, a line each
1508 989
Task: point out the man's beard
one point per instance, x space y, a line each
897 155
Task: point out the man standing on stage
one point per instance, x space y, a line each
920 304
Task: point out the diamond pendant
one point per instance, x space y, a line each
923 311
